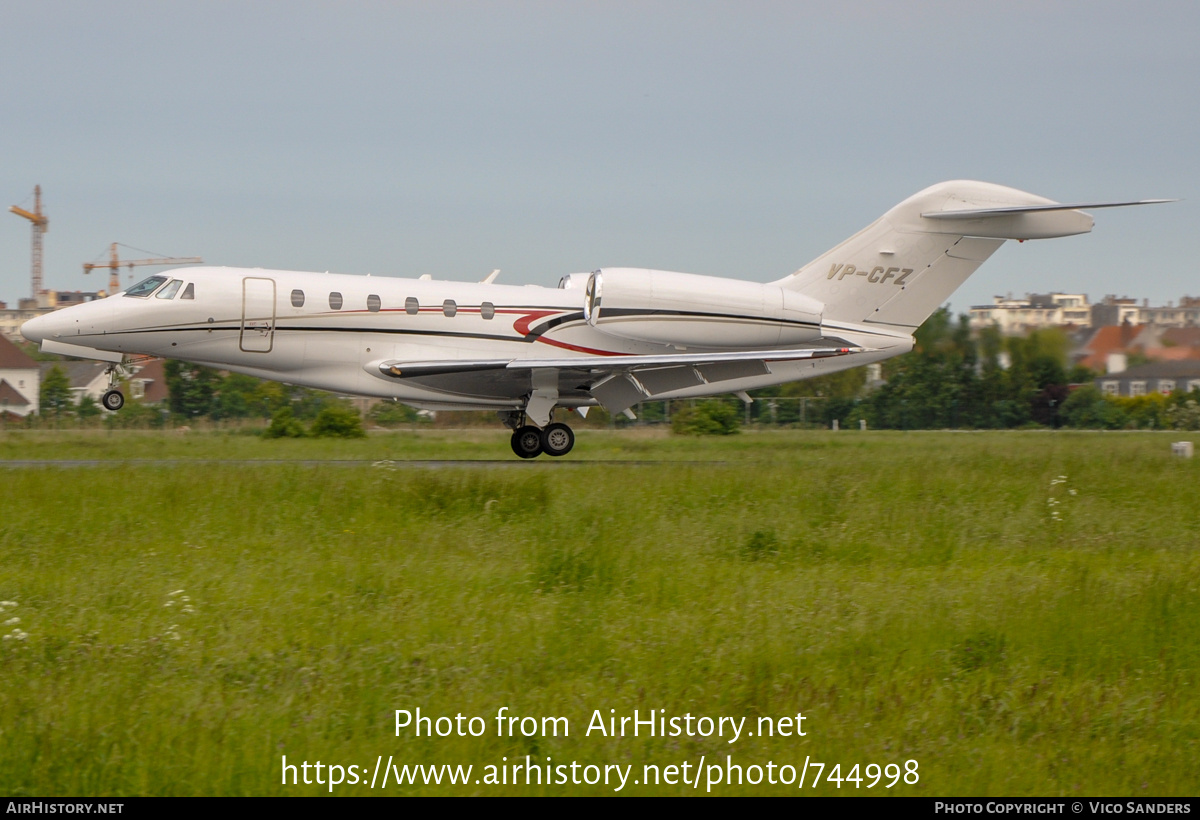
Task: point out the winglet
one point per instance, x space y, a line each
491 277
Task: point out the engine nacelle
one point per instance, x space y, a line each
687 310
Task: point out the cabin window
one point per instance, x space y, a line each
487 310
145 287
189 292
412 306
335 301
449 307
297 298
373 303
170 290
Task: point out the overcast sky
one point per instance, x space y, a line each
730 139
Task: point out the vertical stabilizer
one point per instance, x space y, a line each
902 267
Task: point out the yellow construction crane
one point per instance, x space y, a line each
40 225
115 263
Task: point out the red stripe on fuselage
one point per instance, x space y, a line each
528 318
578 348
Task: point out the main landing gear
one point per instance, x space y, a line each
553 440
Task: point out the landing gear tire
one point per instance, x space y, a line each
113 400
557 439
527 442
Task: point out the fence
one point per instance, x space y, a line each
776 411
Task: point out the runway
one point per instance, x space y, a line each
432 464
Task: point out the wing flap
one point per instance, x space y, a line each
658 380
725 371
599 364
615 382
617 393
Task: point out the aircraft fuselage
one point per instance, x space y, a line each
331 331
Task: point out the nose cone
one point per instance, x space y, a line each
78 324
37 328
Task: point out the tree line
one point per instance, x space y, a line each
955 378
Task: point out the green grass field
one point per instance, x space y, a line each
1017 612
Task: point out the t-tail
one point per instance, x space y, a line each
901 268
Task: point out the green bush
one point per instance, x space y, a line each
335 421
1088 408
1185 415
708 418
392 414
88 408
284 425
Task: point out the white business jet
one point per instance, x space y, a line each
612 337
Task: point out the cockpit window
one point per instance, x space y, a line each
189 292
170 290
145 287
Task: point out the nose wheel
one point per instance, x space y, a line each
113 400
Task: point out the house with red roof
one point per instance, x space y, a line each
20 381
1105 341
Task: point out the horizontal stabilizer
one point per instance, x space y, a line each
976 213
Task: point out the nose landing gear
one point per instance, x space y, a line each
113 399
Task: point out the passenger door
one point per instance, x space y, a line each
258 314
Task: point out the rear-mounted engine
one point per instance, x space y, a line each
686 310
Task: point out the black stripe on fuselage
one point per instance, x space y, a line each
540 329
283 329
535 332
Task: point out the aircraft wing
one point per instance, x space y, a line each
615 382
